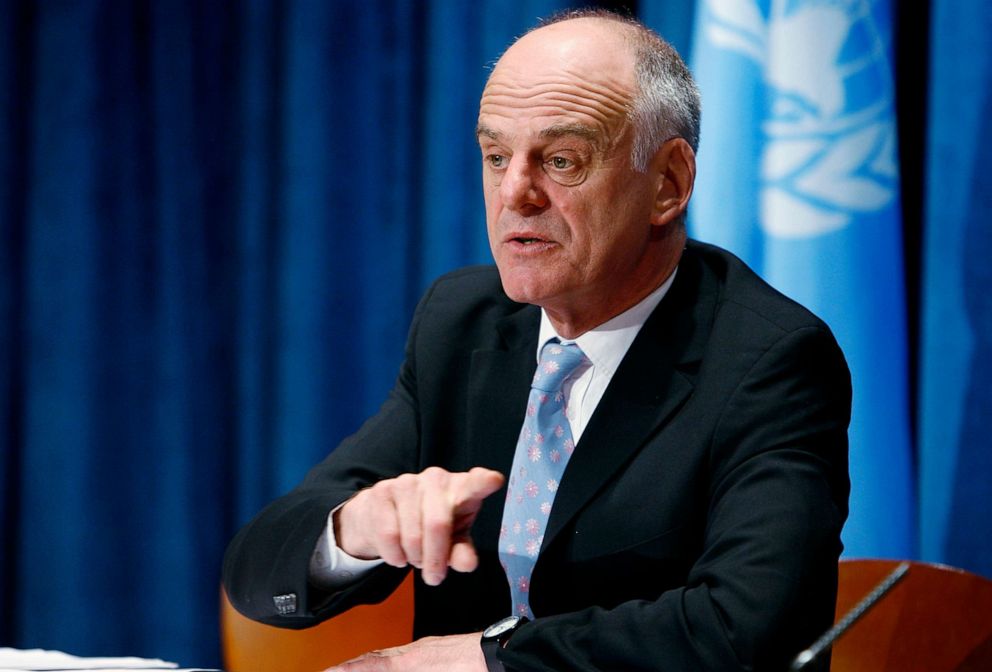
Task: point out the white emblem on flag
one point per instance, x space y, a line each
829 137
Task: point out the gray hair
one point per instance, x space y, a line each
667 103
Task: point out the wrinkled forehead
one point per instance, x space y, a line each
582 74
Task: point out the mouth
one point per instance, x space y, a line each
526 238
528 244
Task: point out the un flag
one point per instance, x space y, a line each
798 176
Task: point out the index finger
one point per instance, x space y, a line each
437 520
476 484
447 513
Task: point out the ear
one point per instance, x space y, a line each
675 166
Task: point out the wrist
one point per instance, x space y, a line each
495 637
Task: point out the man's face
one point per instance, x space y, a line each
568 217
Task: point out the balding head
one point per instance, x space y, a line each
598 82
665 102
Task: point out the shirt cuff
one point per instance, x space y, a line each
330 567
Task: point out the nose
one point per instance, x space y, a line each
520 188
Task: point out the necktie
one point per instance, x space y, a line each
543 449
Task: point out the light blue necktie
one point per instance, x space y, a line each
543 449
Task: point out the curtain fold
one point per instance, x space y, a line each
217 219
955 452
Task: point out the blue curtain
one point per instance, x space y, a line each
955 451
216 219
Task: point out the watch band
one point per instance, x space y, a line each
495 638
489 649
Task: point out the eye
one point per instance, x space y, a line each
496 161
560 163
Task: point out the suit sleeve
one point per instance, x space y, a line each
270 556
764 584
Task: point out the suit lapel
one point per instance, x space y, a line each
653 381
499 383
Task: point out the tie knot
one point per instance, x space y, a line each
557 362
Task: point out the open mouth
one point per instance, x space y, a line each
526 240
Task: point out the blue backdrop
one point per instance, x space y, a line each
955 401
216 218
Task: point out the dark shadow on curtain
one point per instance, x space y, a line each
15 50
969 536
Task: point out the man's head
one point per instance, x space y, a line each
587 127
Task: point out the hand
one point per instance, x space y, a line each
418 519
454 653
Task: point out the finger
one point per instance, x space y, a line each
463 556
407 504
437 527
385 526
475 486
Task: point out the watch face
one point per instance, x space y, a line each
499 627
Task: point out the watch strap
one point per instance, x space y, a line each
495 638
489 649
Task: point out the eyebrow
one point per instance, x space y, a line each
482 129
551 132
579 130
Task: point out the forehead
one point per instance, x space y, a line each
564 75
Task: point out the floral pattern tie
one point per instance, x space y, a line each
543 449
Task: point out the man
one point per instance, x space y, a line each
696 521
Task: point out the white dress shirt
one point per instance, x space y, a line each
605 346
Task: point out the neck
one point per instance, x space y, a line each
579 314
572 324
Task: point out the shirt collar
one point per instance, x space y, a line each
606 345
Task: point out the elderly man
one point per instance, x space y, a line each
631 451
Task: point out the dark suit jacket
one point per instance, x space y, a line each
697 526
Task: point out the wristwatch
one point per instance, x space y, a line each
496 636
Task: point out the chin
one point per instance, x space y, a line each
518 294
523 287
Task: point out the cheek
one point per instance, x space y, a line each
492 204
578 219
588 227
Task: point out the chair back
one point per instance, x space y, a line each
936 619
249 646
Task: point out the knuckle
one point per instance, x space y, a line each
433 474
437 526
413 540
389 544
404 482
381 491
388 536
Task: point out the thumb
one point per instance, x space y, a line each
463 557
476 485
